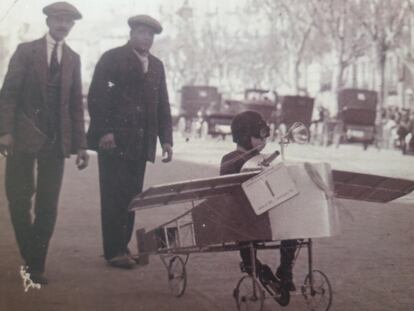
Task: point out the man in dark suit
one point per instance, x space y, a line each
129 108
41 123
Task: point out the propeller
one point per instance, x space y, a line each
297 133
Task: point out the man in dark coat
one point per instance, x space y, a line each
41 123
129 108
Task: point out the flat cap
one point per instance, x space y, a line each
145 20
62 8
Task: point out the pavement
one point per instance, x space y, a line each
370 264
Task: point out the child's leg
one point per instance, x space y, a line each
287 255
246 257
263 271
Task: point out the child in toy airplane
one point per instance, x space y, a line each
249 132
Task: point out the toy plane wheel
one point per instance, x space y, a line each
177 276
317 291
248 294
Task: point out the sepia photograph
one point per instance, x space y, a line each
169 155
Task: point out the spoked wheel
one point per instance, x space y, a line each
177 277
248 294
319 296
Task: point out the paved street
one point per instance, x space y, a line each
370 264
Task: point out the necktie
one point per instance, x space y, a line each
54 64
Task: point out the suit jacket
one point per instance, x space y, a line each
130 104
23 107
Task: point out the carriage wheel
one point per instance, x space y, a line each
319 296
248 294
177 277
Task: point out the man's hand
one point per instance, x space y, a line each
6 144
107 142
82 159
167 149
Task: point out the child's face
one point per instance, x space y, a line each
258 143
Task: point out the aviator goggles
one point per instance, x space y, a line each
263 132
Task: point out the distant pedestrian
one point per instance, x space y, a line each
410 135
41 123
403 129
129 108
389 129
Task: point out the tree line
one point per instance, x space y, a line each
271 43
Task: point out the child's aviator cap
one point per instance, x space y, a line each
248 124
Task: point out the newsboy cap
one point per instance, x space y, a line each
145 20
62 8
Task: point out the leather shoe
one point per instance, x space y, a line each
289 285
122 261
38 278
286 279
134 257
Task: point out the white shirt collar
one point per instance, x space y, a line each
50 43
144 61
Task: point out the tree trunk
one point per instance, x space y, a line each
382 59
296 77
338 76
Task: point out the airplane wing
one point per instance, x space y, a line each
347 185
188 191
371 188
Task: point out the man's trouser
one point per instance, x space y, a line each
33 233
120 181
